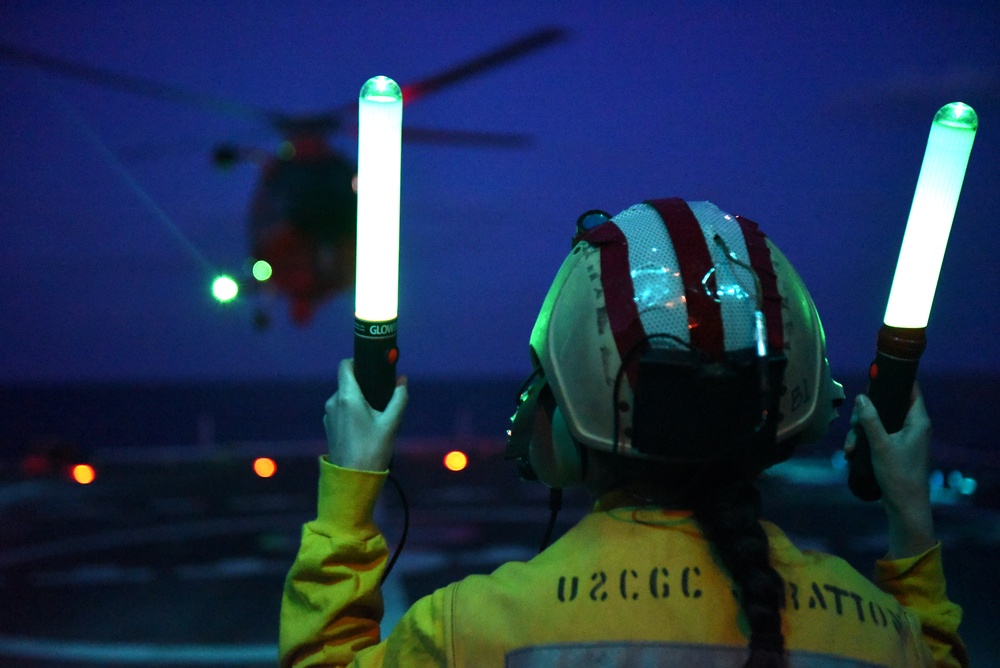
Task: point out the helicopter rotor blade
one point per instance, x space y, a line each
501 56
478 138
134 85
320 123
187 145
466 138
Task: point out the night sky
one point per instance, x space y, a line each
811 121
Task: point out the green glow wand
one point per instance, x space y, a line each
901 339
380 119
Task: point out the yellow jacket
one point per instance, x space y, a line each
623 583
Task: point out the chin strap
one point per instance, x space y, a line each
555 505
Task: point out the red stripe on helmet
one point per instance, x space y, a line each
697 274
760 260
619 292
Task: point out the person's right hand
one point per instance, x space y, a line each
358 436
900 462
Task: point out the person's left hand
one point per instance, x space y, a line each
358 436
900 462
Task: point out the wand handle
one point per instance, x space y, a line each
890 383
375 355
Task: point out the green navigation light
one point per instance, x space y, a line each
262 270
286 150
225 289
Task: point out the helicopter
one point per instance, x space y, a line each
302 220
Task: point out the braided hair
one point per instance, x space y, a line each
727 506
728 515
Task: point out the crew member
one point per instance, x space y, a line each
676 356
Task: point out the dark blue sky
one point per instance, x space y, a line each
812 121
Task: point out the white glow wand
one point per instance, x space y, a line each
901 339
380 119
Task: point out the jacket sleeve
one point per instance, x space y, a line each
918 584
332 602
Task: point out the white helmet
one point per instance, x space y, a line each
677 332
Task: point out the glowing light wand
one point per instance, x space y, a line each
901 339
380 119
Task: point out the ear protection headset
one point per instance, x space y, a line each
567 453
563 463
690 406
